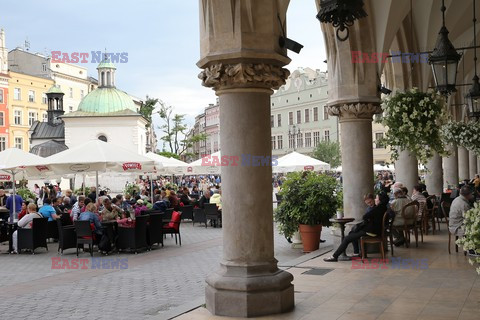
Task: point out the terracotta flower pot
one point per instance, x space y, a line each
310 237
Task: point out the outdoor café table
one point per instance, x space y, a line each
342 222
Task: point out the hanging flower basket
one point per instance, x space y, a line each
414 120
463 134
471 240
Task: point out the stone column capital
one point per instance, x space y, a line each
222 76
352 111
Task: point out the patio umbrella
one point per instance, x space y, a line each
170 165
205 165
14 161
94 156
295 161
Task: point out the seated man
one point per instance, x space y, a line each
217 198
417 195
204 199
47 211
90 215
396 207
109 212
184 198
459 206
373 220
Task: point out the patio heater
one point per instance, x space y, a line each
341 14
444 60
473 96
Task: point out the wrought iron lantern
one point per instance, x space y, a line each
341 14
473 96
444 61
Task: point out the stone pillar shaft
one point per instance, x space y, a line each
472 164
463 163
406 170
434 177
450 168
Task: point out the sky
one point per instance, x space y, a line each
161 38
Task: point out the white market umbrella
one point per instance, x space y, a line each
170 165
96 155
14 162
295 161
206 165
337 169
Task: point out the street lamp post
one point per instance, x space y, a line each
294 131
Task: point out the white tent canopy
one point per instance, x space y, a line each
202 165
168 165
15 162
299 162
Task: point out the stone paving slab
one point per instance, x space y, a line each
155 284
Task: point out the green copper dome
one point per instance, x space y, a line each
106 100
106 64
54 89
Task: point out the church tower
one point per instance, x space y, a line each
106 74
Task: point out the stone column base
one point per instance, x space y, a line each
246 291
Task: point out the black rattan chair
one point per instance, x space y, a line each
167 215
67 238
199 216
85 235
35 237
212 214
133 238
155 233
187 212
52 230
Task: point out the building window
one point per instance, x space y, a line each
279 120
215 146
300 140
44 67
103 138
31 96
272 121
17 94
325 113
32 116
1 95
17 115
45 117
326 135
82 94
291 141
18 142
274 146
44 98
70 108
2 119
71 92
316 138
307 115
308 139
299 117
290 118
315 114
378 140
3 143
279 142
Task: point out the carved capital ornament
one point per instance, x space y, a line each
354 110
221 76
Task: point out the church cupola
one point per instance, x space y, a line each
55 105
106 74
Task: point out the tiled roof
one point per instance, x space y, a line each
45 130
48 148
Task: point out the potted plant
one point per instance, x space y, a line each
308 203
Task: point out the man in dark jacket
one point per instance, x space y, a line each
373 224
204 199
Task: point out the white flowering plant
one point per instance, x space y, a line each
414 120
471 239
463 134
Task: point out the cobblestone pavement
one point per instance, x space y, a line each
154 282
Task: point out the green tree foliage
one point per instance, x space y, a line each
169 154
146 109
328 152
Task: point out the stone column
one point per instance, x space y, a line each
243 62
462 163
450 168
472 164
406 170
357 154
478 165
434 177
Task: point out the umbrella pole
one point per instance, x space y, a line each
96 183
14 198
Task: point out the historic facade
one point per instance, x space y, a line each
4 94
